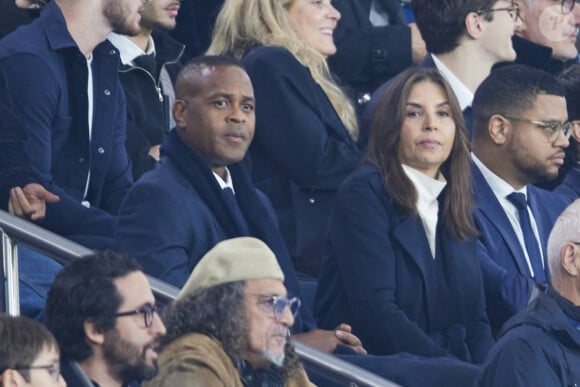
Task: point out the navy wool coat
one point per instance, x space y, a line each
47 78
301 150
375 277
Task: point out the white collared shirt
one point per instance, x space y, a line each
227 183
428 189
501 190
463 94
129 50
378 17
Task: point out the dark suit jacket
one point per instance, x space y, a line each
176 213
506 276
366 55
301 150
375 277
47 82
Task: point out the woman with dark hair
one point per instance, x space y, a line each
400 264
570 79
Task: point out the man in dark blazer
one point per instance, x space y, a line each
73 119
464 39
520 133
63 127
200 193
540 346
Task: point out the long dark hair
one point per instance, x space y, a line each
383 152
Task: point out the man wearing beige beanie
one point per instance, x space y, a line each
230 323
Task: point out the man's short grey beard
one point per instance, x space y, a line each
276 359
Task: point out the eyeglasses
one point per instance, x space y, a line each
566 6
513 11
53 370
146 310
278 304
551 128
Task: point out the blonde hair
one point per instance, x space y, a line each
243 24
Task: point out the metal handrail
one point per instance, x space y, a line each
15 231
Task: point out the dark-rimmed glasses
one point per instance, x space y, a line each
278 304
513 11
53 370
147 310
566 6
552 129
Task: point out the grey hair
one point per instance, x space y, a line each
218 312
566 229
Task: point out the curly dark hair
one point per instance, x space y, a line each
84 291
218 312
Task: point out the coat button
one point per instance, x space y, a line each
112 52
81 160
101 150
107 92
311 201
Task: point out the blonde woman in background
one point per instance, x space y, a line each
304 145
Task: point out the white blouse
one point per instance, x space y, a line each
428 189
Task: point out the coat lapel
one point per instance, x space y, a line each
411 235
488 206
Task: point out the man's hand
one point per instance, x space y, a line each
418 47
326 341
155 152
30 202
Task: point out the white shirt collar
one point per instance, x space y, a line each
129 50
463 94
227 183
428 189
499 186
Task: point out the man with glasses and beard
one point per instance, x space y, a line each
230 323
521 130
102 313
61 84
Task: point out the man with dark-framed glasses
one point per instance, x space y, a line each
547 37
103 315
521 130
465 39
230 324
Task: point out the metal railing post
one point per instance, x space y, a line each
10 275
14 231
